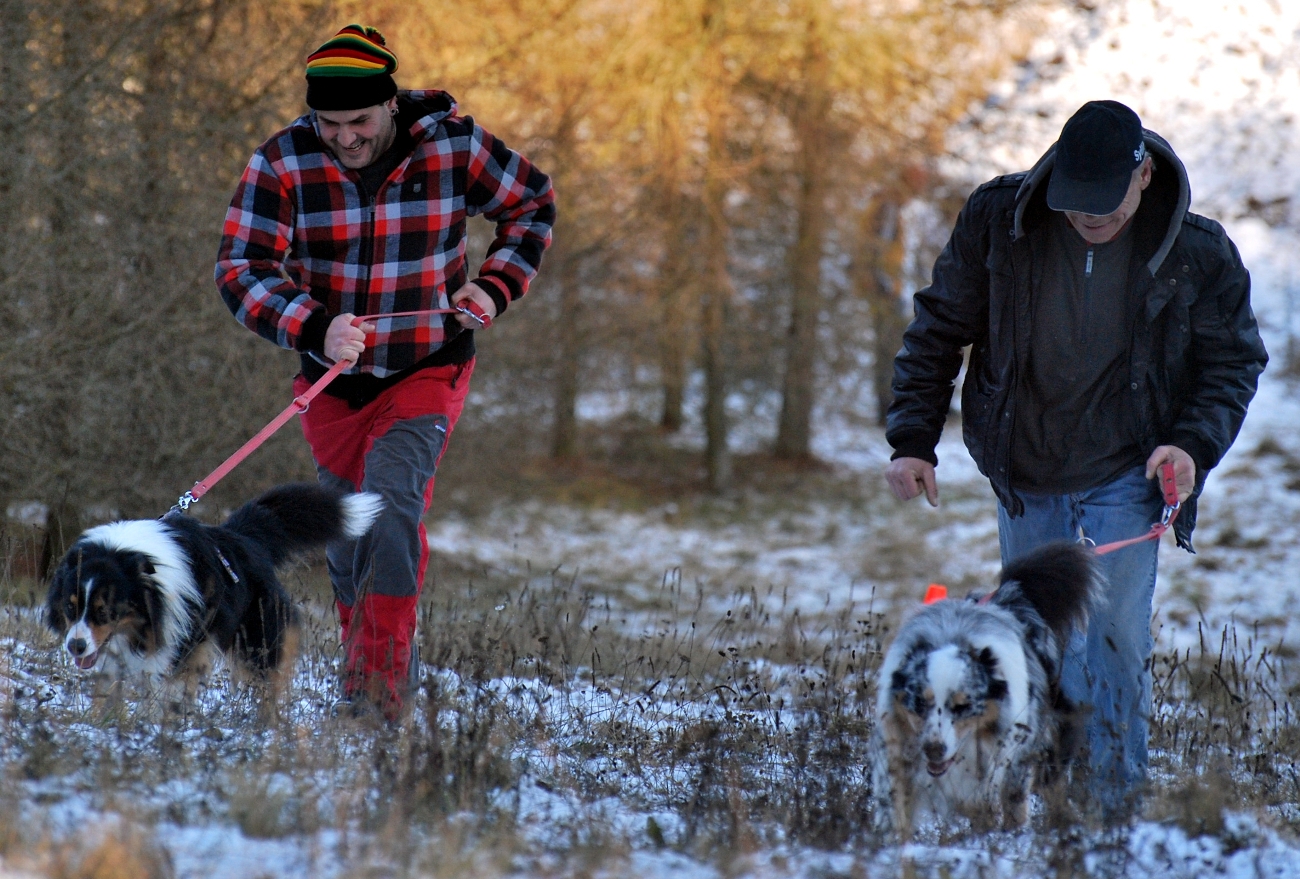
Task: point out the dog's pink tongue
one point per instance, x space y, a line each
87 662
937 769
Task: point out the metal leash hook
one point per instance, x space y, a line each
1167 517
182 504
471 308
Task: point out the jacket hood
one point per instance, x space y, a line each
424 109
420 110
1165 202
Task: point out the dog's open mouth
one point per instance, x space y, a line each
86 662
937 769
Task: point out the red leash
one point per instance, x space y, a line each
301 402
1168 487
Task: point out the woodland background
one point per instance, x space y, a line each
734 181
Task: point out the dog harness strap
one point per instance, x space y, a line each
225 563
301 402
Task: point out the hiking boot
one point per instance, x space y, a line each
356 707
368 696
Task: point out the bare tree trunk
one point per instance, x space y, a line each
794 430
13 82
717 455
569 337
14 85
65 318
564 428
717 282
876 273
675 297
151 207
677 284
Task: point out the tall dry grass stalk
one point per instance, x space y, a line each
724 725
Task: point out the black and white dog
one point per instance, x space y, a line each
150 599
968 702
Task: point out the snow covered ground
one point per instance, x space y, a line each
1220 80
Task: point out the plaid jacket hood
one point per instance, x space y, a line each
302 242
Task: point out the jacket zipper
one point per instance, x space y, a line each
368 254
1016 506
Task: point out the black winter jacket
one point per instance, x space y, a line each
1195 357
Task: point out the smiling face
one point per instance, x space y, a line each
1099 229
358 137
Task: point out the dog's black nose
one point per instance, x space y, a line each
77 646
934 751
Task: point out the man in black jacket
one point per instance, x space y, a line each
1111 332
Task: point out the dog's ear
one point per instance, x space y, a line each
985 658
919 647
144 565
988 660
149 601
54 603
916 651
152 605
62 582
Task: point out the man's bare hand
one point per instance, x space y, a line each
344 342
1184 468
909 477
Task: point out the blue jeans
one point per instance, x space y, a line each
1108 670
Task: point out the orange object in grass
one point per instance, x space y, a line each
935 592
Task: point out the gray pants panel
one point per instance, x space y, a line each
398 467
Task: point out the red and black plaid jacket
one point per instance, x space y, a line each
300 238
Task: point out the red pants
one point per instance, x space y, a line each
390 446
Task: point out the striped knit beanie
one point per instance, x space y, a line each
351 71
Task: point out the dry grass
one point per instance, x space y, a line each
560 732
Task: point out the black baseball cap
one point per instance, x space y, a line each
1099 148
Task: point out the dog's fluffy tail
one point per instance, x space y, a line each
1062 581
291 519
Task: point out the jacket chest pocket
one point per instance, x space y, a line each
1176 320
418 187
997 262
1162 347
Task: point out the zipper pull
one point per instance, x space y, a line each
1087 269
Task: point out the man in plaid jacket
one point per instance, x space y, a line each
359 208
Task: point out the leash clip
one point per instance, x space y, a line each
183 502
469 307
1167 517
471 314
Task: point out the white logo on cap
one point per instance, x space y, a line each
1140 153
